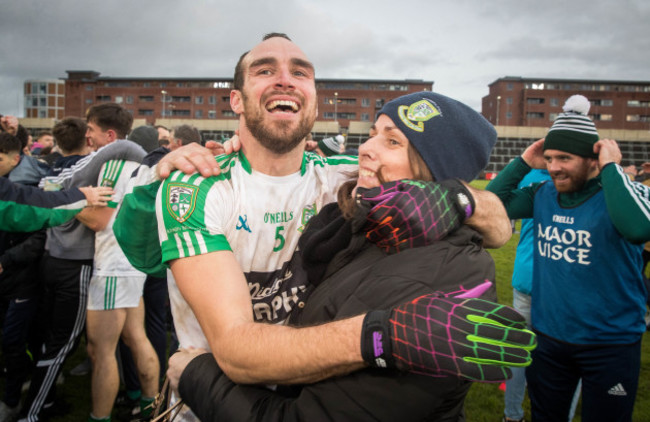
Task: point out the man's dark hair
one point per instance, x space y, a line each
238 80
70 134
9 143
111 116
187 134
44 133
23 136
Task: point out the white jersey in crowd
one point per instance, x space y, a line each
258 217
110 261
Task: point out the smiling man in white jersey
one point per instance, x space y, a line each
257 208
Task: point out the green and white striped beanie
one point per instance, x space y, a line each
573 131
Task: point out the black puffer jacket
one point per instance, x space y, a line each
359 278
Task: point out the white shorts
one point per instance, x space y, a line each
106 293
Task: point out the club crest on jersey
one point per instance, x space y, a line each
307 213
108 183
182 201
419 112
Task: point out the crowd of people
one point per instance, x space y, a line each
305 284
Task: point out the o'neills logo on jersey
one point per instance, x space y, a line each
182 200
568 245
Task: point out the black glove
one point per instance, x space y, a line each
407 213
439 336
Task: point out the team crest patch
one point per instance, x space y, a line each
419 112
182 201
108 183
307 213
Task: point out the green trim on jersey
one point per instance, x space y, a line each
109 293
112 171
312 157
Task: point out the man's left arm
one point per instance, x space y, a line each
628 202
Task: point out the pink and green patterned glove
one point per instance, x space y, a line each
436 335
408 213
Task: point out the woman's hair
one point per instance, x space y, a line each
348 204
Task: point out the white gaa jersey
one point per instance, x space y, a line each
110 261
259 217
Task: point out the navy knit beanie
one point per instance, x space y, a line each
573 131
454 140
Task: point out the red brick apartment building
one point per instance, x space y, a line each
517 101
345 105
522 109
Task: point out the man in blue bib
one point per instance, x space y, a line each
588 295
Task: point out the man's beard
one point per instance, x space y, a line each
279 138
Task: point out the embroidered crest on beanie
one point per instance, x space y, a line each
454 140
573 131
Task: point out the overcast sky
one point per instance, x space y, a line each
461 45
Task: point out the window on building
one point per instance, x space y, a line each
508 115
42 88
602 103
163 84
637 103
129 99
633 118
554 102
379 103
89 87
365 102
198 114
365 117
181 113
228 113
119 99
212 99
534 101
509 86
89 100
181 99
145 112
146 84
606 117
198 99
552 117
42 114
180 84
146 98
225 99
212 114
42 102
534 115
509 100
330 115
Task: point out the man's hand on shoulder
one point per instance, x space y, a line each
189 159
